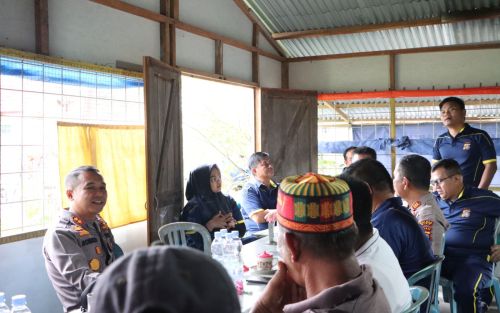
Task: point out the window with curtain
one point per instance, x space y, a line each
36 93
118 153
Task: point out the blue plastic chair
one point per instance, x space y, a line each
117 251
418 296
175 234
431 273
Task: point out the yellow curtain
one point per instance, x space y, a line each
119 154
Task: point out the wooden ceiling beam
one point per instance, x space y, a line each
262 28
342 114
445 19
400 51
226 40
135 10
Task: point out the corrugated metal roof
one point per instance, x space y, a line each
299 15
485 107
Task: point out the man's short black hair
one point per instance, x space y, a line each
373 173
361 204
457 101
255 159
450 166
347 150
366 150
416 169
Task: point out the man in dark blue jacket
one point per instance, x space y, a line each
472 213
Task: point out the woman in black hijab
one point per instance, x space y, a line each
208 206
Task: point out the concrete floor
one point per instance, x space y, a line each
445 307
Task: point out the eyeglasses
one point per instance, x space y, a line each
439 181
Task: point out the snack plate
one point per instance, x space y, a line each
264 273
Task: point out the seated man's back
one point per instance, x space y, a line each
395 223
404 235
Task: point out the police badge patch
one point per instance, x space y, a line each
466 146
465 213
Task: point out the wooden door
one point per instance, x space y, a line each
163 126
289 130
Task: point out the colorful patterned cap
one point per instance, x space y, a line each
313 203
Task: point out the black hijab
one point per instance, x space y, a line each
198 189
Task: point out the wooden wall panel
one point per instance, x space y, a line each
163 144
290 130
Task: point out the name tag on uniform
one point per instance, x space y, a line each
467 146
89 241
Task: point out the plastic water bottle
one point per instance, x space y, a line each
3 306
19 304
224 235
217 247
236 237
237 270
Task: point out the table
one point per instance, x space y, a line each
249 255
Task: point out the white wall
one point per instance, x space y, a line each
270 72
17 24
237 63
90 32
341 75
93 33
219 16
443 69
195 52
419 70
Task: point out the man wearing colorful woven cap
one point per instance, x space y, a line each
316 241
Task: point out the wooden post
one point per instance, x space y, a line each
284 75
219 57
42 26
165 33
255 55
392 108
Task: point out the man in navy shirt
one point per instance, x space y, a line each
259 194
394 222
472 148
471 213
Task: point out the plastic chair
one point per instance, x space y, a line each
117 251
175 234
431 274
418 296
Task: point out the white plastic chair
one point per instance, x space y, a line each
175 234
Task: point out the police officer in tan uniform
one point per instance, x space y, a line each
80 246
411 182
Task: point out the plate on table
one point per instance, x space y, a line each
264 273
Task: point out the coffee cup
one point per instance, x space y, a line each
265 261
